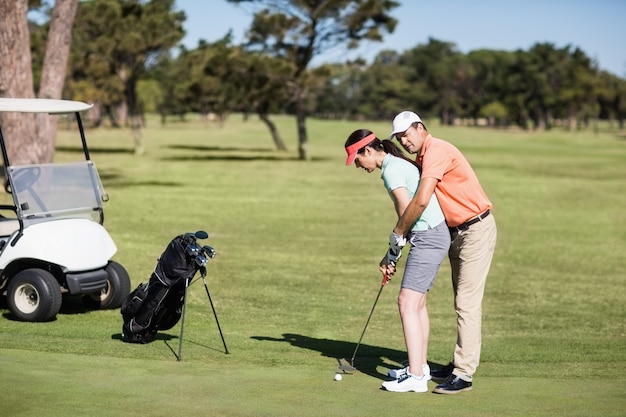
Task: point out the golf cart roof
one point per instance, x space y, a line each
42 105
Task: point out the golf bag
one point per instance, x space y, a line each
158 304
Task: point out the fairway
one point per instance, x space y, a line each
295 276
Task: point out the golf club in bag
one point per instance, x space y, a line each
160 303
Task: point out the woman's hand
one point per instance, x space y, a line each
387 268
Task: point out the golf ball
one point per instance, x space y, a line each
337 377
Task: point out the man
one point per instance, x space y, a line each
473 231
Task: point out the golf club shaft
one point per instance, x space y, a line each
382 285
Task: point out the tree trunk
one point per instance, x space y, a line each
303 151
119 114
571 118
53 73
95 115
262 110
134 117
16 80
548 119
280 145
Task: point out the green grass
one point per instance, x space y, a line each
296 275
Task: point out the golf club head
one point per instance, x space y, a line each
192 249
346 369
201 234
209 251
344 366
201 260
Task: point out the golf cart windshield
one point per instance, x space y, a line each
44 192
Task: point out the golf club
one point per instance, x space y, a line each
209 251
200 234
382 285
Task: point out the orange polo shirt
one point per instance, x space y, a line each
458 190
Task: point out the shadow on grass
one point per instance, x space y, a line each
128 184
368 358
160 336
238 158
69 306
218 148
77 149
9 316
246 154
113 180
74 305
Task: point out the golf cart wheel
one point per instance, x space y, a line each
115 292
34 295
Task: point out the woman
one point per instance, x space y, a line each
429 238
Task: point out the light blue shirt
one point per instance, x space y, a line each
397 172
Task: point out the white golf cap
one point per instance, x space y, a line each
403 121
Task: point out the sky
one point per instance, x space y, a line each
597 27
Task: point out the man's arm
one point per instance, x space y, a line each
408 216
416 206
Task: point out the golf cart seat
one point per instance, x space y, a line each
8 226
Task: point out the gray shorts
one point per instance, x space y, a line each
428 250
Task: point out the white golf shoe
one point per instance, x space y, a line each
397 373
407 382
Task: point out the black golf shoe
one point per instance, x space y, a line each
441 374
453 385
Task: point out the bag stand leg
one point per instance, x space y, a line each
215 314
182 323
179 357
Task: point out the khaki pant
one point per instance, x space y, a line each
470 256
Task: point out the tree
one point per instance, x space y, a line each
495 113
299 30
119 39
434 71
341 92
249 81
172 76
385 88
16 76
54 70
488 87
614 98
261 87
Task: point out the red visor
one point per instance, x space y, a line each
355 147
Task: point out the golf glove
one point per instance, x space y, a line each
393 256
396 243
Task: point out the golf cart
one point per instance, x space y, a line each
52 239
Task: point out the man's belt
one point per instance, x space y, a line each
463 227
